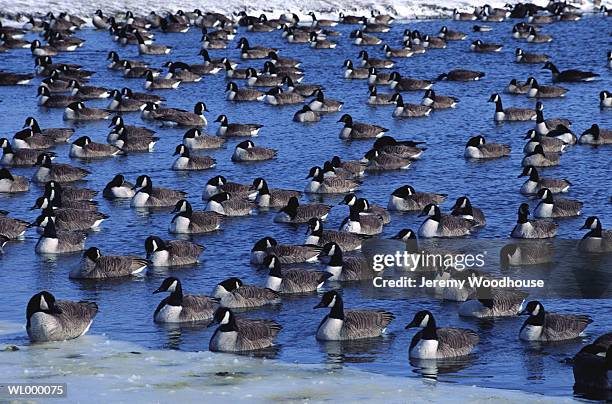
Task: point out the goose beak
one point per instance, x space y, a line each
211 324
410 325
156 291
524 312
318 306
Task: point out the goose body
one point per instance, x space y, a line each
234 294
494 303
478 148
187 162
510 114
272 198
153 197
596 240
285 253
320 237
85 148
343 268
438 225
10 183
532 229
188 221
405 198
57 172
182 308
293 212
535 183
241 335
52 242
97 266
227 204
550 207
544 326
290 281
170 253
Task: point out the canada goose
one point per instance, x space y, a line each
596 240
549 144
59 135
145 49
341 325
432 342
288 281
345 168
276 96
241 335
463 208
531 229
481 47
234 294
100 21
439 225
328 185
358 130
38 49
359 222
378 18
538 158
145 97
462 16
591 367
10 42
247 151
377 160
85 148
367 61
406 149
170 253
596 136
517 87
324 105
157 83
116 63
293 212
349 19
320 237
57 320
355 73
98 266
362 39
379 99
19 157
186 162
271 198
571 75
27 139
366 207
449 35
242 94
209 66
408 110
461 75
345 268
305 90
118 188
219 183
538 91
67 219
556 127
397 52
306 115
253 52
321 23
530 58
535 183
188 221
431 99
137 71
236 129
183 118
57 172
135 144
510 114
521 254
10 183
256 80
535 37
48 100
208 42
550 207
79 198
52 242
478 148
152 197
271 70
12 228
227 204
285 253
405 198
182 308
122 104
88 92
399 83
195 140
544 326
605 99
181 71
78 112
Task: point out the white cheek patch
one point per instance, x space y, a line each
332 303
43 304
536 310
425 321
172 287
154 244
226 318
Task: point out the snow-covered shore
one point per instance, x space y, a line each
415 9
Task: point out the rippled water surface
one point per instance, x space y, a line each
126 306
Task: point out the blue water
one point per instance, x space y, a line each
126 306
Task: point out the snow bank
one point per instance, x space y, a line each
401 9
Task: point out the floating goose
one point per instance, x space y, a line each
538 91
85 148
227 205
405 198
403 110
493 303
605 99
549 144
240 335
188 221
439 225
57 172
366 207
358 130
185 119
187 162
463 208
97 266
571 75
534 183
118 188
243 94
272 198
10 183
406 149
550 207
538 158
219 183
153 197
510 114
544 326
449 35
345 268
530 58
347 325
596 240
531 229
195 140
478 148
293 212
285 253
328 185
50 242
59 135
19 157
461 75
77 111
431 99
12 228
306 115
288 281
592 366
432 342
170 253
596 136
182 308
368 224
234 294
481 47
236 129
318 236
57 320
324 105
